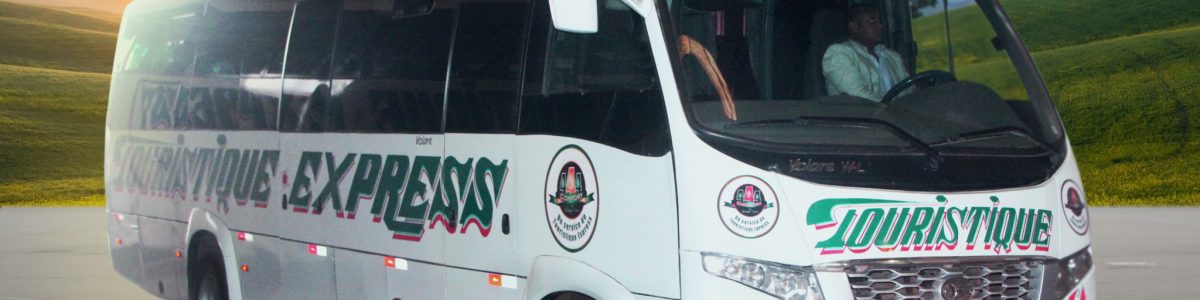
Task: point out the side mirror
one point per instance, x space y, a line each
578 16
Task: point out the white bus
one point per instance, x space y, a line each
463 149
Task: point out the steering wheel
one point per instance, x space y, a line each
933 77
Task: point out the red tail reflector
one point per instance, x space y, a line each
317 250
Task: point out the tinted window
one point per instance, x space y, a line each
311 41
243 39
163 43
238 61
956 106
600 87
390 69
486 68
203 67
305 104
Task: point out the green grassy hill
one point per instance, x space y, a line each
1124 76
94 13
54 74
1053 24
1132 109
46 38
1048 25
53 137
57 17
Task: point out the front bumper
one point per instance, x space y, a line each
1006 279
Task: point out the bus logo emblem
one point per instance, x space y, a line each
572 201
572 192
748 200
748 207
1075 207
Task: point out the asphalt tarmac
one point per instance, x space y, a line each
61 253
58 253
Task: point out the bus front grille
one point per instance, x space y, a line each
987 280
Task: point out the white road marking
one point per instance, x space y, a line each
1132 264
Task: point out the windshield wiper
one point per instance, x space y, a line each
935 158
995 133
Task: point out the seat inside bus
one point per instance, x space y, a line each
828 28
765 49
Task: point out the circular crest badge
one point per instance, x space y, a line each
748 207
1075 207
572 196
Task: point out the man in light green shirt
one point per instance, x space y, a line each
862 66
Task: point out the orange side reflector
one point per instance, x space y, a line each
245 268
118 241
178 253
395 263
494 279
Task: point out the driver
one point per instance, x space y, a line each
862 66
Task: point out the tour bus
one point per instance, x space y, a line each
462 149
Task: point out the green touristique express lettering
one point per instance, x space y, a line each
891 225
177 172
408 194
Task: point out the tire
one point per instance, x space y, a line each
568 296
206 275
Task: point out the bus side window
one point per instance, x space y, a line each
238 44
311 42
162 44
389 72
600 87
161 52
241 41
306 105
485 75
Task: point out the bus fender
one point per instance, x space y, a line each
204 220
551 274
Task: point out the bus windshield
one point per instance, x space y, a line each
908 94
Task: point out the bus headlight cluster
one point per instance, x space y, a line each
778 280
1066 274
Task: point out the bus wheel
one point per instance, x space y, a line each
206 278
567 296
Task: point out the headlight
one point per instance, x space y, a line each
1064 275
778 280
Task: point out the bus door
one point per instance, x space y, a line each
594 151
316 160
478 178
388 84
